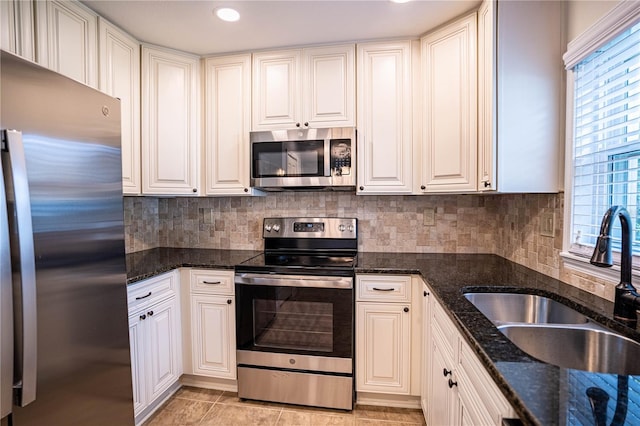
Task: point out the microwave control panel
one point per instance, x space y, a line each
340 157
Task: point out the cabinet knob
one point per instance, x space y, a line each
452 383
445 372
306 124
406 309
423 187
426 293
297 124
150 313
229 301
143 317
246 190
195 189
487 184
362 188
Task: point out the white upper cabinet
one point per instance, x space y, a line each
66 39
119 62
304 88
170 122
520 92
227 124
384 118
449 139
16 28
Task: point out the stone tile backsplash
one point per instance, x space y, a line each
507 225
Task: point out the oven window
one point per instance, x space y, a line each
295 320
291 324
288 159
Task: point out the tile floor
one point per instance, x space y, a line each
195 406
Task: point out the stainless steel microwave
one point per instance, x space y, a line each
304 159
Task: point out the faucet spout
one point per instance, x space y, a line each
627 299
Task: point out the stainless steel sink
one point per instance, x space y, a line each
586 349
503 308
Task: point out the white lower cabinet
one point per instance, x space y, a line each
383 336
212 324
155 341
458 390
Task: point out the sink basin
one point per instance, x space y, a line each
578 348
503 308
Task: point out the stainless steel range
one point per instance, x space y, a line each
294 314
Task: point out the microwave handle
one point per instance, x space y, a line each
327 157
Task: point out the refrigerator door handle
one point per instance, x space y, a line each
25 314
6 305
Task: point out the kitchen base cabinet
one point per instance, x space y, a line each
155 341
209 323
387 340
458 389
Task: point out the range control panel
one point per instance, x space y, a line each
326 227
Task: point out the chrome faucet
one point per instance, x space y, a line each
627 299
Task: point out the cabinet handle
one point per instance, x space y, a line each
446 372
487 184
211 282
246 190
150 313
362 188
229 301
143 317
384 289
452 383
143 297
306 124
406 309
297 124
426 293
423 187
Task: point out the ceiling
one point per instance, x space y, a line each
191 26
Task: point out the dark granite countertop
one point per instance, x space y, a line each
541 394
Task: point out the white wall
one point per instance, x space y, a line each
581 14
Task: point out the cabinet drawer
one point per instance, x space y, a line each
384 288
444 328
152 290
211 281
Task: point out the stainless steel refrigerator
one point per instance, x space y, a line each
64 342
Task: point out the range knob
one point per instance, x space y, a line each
267 228
276 227
341 227
350 228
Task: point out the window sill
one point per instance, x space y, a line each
581 264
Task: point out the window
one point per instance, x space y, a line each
606 139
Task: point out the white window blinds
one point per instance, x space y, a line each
606 138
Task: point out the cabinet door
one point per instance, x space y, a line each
66 39
227 125
213 336
16 28
486 98
383 347
450 93
164 356
276 90
425 351
329 92
170 122
384 118
443 401
137 346
120 78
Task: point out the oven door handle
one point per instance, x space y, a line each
294 280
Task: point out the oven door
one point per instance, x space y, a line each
297 315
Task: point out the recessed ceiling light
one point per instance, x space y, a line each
227 14
401 1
